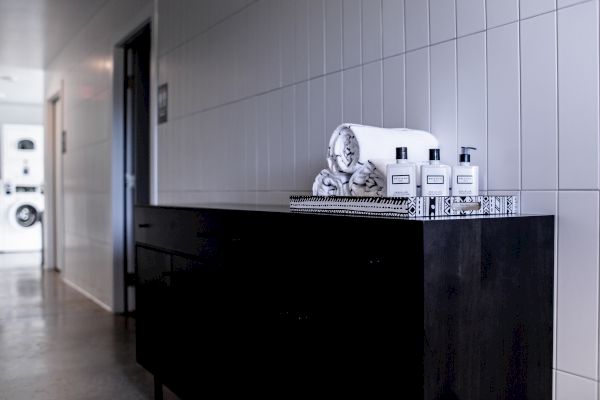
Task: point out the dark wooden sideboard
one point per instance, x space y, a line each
260 301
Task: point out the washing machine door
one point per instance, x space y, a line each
24 215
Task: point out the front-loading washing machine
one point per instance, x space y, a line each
21 209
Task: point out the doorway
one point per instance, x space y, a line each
136 178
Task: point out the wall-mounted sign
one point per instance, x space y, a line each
163 103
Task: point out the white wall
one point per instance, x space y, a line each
85 69
256 88
519 80
28 114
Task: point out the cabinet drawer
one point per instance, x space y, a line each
179 230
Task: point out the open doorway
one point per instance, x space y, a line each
136 174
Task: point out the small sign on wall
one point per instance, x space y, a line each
163 103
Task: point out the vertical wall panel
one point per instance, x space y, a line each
301 66
371 30
288 41
416 24
569 387
262 143
472 110
417 89
316 29
333 35
504 140
302 172
333 103
470 16
352 33
316 118
578 240
372 94
538 103
530 8
393 27
352 106
393 92
443 99
578 96
288 131
250 144
276 163
500 12
442 17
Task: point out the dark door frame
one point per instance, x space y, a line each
119 156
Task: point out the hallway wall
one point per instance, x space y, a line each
257 87
84 68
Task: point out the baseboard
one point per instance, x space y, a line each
88 295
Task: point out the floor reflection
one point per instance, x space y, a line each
56 344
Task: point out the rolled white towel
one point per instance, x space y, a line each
369 179
329 183
352 145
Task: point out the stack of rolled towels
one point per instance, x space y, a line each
358 156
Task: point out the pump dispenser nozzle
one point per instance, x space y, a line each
465 155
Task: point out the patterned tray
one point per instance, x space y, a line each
407 207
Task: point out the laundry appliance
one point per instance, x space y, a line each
21 187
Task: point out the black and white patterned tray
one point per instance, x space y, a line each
407 207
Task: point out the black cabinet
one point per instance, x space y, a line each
280 304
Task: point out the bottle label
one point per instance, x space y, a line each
401 179
435 179
464 179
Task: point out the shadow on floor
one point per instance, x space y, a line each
57 344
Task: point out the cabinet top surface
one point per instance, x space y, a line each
284 209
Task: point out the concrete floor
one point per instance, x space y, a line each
57 344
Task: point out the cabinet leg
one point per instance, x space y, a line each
158 389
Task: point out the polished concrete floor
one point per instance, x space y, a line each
57 344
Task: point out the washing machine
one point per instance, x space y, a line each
21 183
21 209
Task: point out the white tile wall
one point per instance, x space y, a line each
539 103
470 16
371 30
520 82
577 330
504 167
501 12
352 28
393 91
443 99
87 119
393 27
416 23
372 94
442 20
417 89
530 8
333 35
578 96
472 99
570 387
